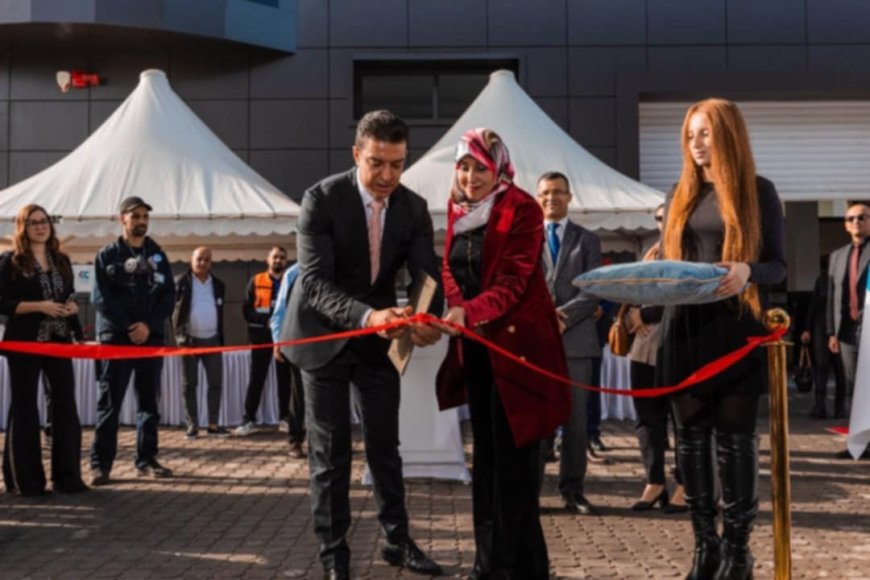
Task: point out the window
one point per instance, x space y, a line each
436 91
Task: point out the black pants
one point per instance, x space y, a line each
327 401
114 378
214 372
22 455
261 360
508 537
823 361
652 425
593 402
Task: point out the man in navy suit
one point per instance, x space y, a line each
356 230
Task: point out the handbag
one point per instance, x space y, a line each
803 371
618 337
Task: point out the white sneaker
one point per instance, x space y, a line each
245 429
283 426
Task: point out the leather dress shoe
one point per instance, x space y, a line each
337 572
597 444
578 504
408 555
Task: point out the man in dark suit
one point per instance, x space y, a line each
847 282
356 230
815 337
571 250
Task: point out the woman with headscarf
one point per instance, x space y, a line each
36 287
720 212
495 286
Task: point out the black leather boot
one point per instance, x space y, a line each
738 470
695 450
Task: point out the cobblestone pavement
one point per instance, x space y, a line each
238 508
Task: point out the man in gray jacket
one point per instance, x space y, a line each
569 251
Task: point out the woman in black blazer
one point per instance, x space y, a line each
36 287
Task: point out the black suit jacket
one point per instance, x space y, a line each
334 290
837 267
19 288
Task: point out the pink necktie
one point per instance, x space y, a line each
377 206
853 281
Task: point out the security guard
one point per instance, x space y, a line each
134 295
259 304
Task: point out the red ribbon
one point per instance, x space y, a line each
109 352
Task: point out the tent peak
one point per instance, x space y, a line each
503 73
151 72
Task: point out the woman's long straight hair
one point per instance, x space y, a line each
22 254
732 169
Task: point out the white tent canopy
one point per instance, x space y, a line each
155 147
604 199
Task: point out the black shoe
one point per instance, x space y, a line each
673 508
296 451
596 444
408 555
661 499
217 432
192 432
75 487
593 457
99 477
337 572
578 504
153 469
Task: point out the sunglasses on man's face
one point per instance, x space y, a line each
660 218
856 218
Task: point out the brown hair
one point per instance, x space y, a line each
732 169
22 255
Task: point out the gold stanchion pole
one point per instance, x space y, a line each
780 486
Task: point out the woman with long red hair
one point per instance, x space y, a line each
721 212
36 287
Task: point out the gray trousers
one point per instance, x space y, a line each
572 458
214 372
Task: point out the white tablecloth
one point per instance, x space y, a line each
615 374
430 440
236 370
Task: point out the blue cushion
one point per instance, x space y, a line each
656 283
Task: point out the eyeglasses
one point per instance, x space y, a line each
856 218
660 218
37 223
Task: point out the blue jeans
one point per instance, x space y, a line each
114 378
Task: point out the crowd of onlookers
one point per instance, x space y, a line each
507 270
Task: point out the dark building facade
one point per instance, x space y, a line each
284 91
290 113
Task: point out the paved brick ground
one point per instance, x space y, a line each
238 508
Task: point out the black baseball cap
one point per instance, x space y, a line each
131 203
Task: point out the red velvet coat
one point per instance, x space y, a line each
514 310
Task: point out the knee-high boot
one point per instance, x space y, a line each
695 450
738 468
